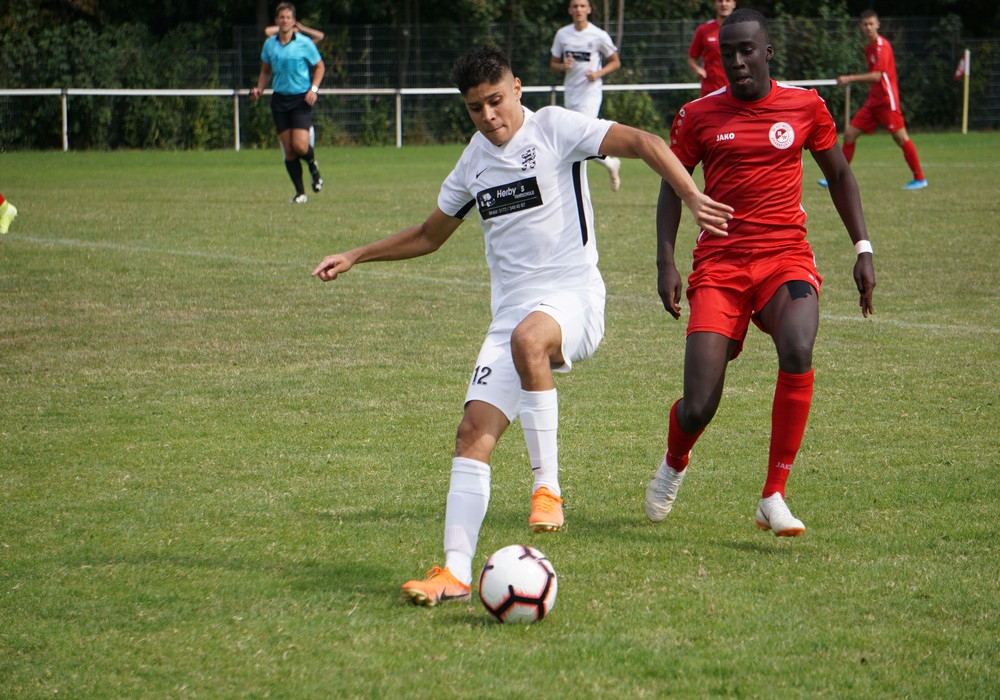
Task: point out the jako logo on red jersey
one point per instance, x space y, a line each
725 137
782 135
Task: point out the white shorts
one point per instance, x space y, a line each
588 102
495 380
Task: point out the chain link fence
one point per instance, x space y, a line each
378 57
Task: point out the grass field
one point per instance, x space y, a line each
216 472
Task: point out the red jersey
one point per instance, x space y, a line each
751 154
705 46
884 93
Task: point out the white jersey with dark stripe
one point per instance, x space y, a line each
588 48
534 204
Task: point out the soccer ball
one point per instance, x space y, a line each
518 584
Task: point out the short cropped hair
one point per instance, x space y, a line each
745 14
284 6
869 13
484 65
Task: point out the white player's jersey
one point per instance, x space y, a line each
588 49
534 204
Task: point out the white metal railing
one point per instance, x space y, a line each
65 93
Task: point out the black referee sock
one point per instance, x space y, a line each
294 168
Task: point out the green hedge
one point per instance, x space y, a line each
130 56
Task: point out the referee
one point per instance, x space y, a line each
294 65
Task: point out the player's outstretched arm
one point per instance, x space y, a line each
316 74
869 77
262 80
847 200
625 142
411 242
668 220
314 34
612 63
696 68
864 278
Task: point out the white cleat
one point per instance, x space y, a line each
662 491
773 514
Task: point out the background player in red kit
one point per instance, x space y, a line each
705 48
749 140
882 106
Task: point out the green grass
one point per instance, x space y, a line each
215 472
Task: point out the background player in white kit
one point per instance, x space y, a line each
586 54
524 173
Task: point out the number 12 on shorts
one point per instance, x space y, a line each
480 374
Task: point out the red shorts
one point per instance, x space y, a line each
869 117
729 286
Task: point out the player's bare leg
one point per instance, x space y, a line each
705 359
536 347
468 498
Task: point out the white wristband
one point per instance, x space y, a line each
863 247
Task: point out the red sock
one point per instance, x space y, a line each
910 153
679 443
2 200
848 150
792 397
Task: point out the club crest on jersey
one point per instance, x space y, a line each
782 135
528 159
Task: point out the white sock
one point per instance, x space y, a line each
540 422
468 498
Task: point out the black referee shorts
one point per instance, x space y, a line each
291 112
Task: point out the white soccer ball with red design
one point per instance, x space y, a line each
518 584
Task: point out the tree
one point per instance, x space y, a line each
979 17
621 22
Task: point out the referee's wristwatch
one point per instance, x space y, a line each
315 89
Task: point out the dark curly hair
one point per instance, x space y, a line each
745 14
484 65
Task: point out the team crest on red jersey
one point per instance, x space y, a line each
782 135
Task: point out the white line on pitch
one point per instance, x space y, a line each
946 328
